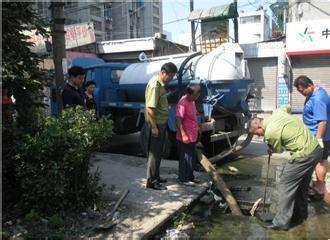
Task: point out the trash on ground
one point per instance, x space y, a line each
232 169
223 205
216 197
173 234
185 227
255 206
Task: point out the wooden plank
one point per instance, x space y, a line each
221 186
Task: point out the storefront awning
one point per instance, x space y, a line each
214 13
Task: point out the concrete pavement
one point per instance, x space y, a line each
146 209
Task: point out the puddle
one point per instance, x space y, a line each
248 184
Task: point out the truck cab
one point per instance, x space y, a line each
106 76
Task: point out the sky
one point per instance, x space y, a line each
174 10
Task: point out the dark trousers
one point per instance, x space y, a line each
326 150
155 152
187 161
293 188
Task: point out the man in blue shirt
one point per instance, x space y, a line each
316 116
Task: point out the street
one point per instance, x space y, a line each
246 171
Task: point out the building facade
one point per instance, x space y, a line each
253 27
303 50
112 20
308 44
136 19
268 67
138 49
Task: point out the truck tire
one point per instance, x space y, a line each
169 145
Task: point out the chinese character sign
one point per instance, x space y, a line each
79 35
309 37
76 35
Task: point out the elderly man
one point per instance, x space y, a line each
282 131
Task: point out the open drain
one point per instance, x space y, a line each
243 196
246 207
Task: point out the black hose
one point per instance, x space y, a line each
181 70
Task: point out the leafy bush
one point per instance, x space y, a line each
53 162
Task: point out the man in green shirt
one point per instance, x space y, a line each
156 114
282 131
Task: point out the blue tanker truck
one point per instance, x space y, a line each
222 105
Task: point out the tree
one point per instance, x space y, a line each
20 67
24 80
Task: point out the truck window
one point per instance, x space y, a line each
90 75
116 74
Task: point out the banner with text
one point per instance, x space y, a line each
75 36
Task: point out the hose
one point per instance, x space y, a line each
183 64
237 148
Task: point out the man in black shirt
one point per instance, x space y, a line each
71 94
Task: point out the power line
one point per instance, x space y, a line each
182 4
252 4
174 21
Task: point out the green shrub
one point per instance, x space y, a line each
53 162
32 215
55 221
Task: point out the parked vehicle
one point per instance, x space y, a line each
224 80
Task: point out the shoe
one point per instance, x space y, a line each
188 183
161 180
156 186
275 227
195 180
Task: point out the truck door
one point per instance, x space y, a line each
114 94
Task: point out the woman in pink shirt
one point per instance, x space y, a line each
187 132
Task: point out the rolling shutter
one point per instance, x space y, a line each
316 67
264 73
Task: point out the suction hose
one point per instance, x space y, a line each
180 72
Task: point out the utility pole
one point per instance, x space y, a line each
235 23
58 44
193 40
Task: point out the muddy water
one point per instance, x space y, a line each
212 223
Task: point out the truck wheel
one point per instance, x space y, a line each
169 145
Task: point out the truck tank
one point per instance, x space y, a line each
223 67
225 81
